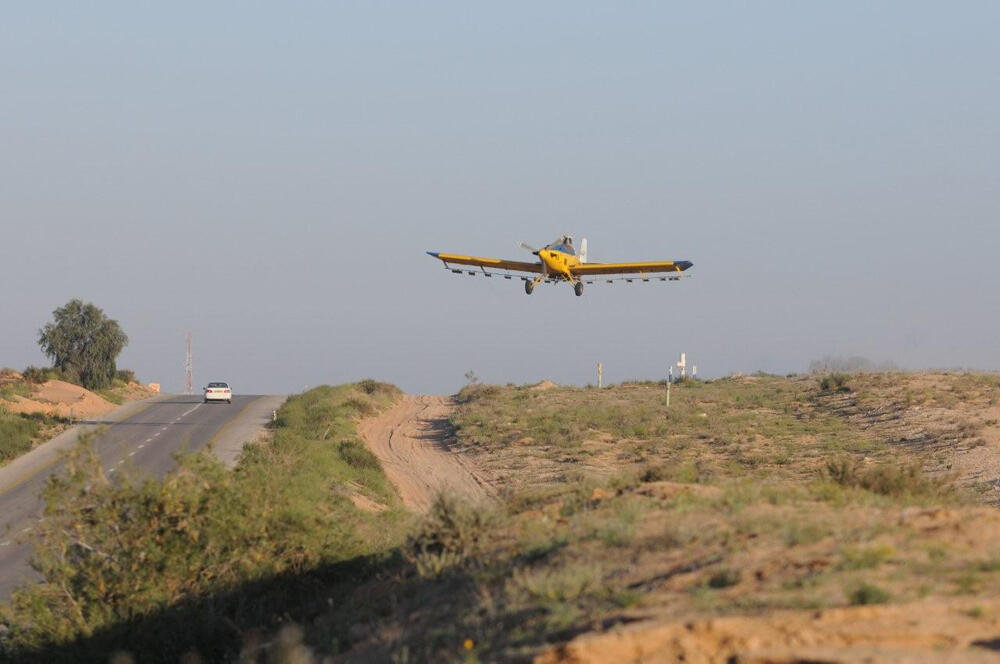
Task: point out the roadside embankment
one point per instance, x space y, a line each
200 561
252 425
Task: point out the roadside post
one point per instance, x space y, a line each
670 379
600 375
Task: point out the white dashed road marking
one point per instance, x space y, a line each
155 435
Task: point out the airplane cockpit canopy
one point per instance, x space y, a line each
563 244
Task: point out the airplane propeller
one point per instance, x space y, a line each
528 247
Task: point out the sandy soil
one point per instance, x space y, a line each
413 440
56 397
939 631
959 438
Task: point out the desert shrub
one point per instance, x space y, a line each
37 375
868 593
126 376
360 406
579 497
968 582
554 585
724 578
373 387
33 374
991 564
368 386
617 533
451 534
843 471
357 455
886 479
689 472
835 382
476 392
654 473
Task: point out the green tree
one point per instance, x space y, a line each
83 343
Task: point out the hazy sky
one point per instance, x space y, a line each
269 176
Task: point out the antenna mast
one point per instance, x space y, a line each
188 371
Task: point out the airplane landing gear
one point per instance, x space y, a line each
529 287
578 288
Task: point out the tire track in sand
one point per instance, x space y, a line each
413 441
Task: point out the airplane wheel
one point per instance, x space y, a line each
578 288
529 287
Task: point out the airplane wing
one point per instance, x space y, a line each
588 269
490 263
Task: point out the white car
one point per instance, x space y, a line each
218 392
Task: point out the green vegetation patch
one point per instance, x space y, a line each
889 479
20 432
758 427
161 568
17 388
16 435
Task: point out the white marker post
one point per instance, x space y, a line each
670 379
600 375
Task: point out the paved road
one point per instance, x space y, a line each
144 442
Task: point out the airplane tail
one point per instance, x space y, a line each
583 250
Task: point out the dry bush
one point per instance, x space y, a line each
886 479
451 534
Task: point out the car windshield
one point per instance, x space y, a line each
218 385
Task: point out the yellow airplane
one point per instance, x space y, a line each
559 261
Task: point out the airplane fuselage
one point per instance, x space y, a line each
559 263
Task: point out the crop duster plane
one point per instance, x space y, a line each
559 261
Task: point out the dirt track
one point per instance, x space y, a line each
413 441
